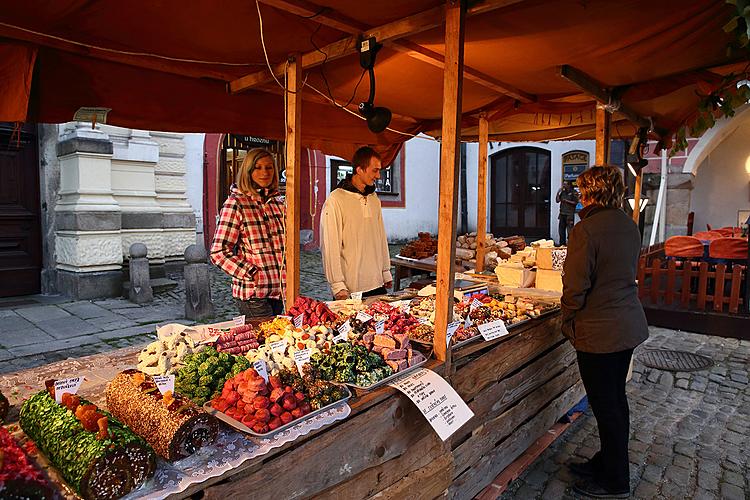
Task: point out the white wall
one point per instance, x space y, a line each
194 178
722 181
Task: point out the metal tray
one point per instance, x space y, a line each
243 428
456 345
390 378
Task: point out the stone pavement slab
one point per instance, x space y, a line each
54 345
12 337
67 327
12 322
86 310
35 314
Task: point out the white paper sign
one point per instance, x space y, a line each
301 358
278 346
262 369
423 320
467 321
380 327
69 385
440 404
357 295
363 317
299 320
493 329
344 330
452 327
164 383
474 304
406 308
239 320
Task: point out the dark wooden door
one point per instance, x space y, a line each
520 194
20 225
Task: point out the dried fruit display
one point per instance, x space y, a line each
317 338
321 393
172 424
4 406
166 355
19 478
238 340
421 333
349 363
95 453
276 326
313 312
205 372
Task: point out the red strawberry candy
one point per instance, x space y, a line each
275 423
276 409
263 415
286 417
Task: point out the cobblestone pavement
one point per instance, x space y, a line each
690 432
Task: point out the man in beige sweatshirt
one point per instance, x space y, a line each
352 236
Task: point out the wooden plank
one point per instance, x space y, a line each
655 281
687 273
504 359
455 11
719 277
411 25
427 483
322 15
473 479
293 176
734 295
596 90
482 191
671 278
702 284
551 322
709 323
603 118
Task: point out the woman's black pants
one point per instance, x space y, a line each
603 377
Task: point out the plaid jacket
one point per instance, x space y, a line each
256 230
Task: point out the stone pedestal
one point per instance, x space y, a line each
198 304
140 281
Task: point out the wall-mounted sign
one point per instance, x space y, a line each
574 163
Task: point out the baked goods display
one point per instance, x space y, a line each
19 477
423 247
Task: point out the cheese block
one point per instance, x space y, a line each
547 279
514 274
551 258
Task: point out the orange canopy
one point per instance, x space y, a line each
172 65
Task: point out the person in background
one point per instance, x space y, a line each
353 244
249 240
603 319
568 199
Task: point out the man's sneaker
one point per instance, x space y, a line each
592 489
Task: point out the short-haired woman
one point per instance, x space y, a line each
249 240
603 319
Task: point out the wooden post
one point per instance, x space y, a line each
293 152
482 191
602 135
452 83
637 198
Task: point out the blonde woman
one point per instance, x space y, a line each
603 319
249 240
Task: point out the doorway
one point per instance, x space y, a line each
20 223
520 193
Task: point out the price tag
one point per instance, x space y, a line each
452 327
69 385
298 320
164 383
301 358
380 327
467 321
406 308
239 320
423 320
344 330
493 329
440 404
262 369
474 304
363 317
357 295
278 346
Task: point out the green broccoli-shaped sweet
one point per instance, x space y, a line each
205 381
224 357
203 368
236 369
344 375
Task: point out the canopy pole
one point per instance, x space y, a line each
293 172
658 219
452 83
482 192
602 134
637 198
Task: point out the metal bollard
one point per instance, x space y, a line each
198 304
140 279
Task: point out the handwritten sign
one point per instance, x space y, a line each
343 330
493 329
363 317
278 346
406 308
467 321
423 321
357 295
440 404
262 369
380 327
164 383
239 320
452 327
474 304
69 385
299 320
301 358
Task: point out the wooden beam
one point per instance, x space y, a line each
452 86
323 15
594 89
482 191
293 177
603 118
637 197
436 59
411 25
